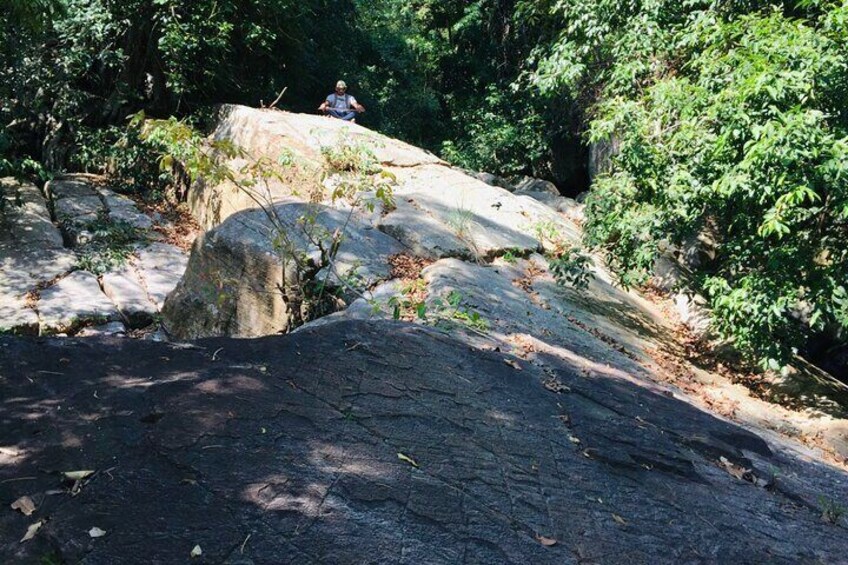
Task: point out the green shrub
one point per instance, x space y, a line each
123 154
746 139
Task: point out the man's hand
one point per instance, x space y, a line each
322 107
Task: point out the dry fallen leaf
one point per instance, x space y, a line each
77 475
408 459
96 532
196 552
732 468
619 519
31 531
25 505
547 542
513 364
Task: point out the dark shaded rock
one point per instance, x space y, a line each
286 449
493 180
530 184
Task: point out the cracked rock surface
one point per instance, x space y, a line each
42 288
381 442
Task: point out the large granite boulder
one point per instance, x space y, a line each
437 211
291 144
271 133
238 273
530 184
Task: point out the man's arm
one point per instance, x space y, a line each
324 105
356 105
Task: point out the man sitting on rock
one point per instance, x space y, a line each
341 105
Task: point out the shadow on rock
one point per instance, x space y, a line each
382 442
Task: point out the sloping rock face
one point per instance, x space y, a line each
383 443
486 275
442 212
438 212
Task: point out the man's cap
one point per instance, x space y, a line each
341 84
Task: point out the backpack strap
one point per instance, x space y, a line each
346 99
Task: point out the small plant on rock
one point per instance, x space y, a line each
410 304
452 307
510 257
568 265
832 511
110 244
571 268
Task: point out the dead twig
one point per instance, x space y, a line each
279 97
18 479
244 543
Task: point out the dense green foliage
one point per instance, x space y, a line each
443 74
732 125
728 118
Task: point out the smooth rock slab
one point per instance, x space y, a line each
127 292
72 302
286 450
70 187
81 209
123 209
442 212
24 218
16 317
23 268
508 310
79 200
160 266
